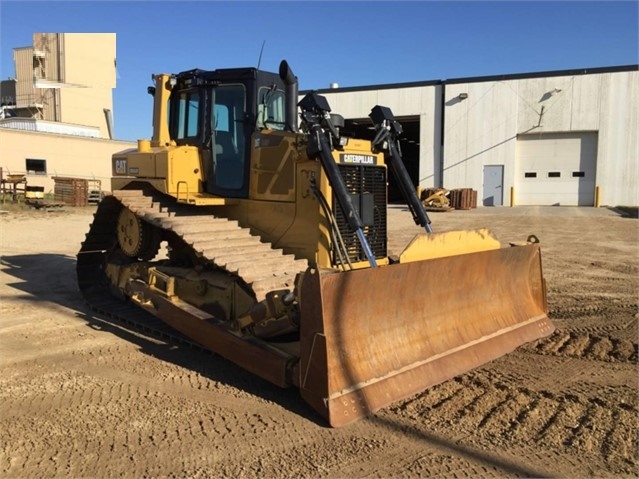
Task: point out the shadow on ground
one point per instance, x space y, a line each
50 278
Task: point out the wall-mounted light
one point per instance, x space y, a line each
462 96
555 91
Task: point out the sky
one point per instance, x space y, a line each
350 43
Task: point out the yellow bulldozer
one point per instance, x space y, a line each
266 242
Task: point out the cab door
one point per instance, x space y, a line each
228 170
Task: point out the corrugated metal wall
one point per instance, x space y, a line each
23 60
483 128
482 119
46 61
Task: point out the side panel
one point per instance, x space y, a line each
298 226
177 171
273 158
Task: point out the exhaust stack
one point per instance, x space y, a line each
290 80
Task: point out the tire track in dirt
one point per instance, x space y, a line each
127 385
130 404
480 404
576 309
444 452
145 428
585 345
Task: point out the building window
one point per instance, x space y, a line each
37 167
554 174
530 174
578 174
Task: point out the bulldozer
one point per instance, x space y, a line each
252 225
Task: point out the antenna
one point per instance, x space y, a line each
259 61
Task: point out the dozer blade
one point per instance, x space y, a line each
371 337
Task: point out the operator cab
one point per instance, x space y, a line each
218 111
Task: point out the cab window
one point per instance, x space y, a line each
271 109
186 125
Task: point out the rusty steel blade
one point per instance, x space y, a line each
371 337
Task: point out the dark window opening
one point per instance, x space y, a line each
38 167
530 174
578 174
554 174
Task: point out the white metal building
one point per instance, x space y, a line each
548 138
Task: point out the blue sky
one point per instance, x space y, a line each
351 43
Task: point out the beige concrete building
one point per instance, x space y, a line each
68 78
42 156
57 113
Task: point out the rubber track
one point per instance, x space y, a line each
220 242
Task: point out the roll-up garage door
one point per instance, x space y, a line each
556 169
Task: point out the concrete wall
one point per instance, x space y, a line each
65 155
85 106
89 60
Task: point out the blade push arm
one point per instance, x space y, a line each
316 116
388 129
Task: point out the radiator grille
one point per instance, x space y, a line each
364 183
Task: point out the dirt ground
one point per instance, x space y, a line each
85 397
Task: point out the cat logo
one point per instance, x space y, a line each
357 159
119 166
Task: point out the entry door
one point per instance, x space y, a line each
493 185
